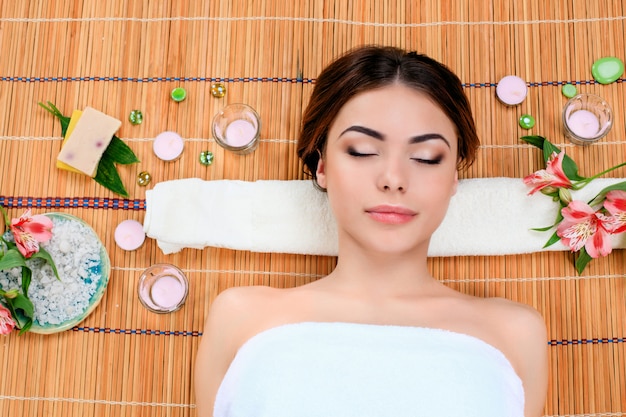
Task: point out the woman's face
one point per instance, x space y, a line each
390 169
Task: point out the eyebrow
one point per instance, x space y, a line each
379 136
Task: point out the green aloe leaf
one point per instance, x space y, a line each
116 152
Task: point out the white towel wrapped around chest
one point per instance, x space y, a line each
362 370
487 216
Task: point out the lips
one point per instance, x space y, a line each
391 214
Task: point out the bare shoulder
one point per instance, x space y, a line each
524 341
238 310
233 317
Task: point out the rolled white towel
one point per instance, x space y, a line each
487 216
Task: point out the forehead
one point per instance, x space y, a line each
396 111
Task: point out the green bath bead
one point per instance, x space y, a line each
144 178
206 158
607 70
179 94
569 90
135 117
526 121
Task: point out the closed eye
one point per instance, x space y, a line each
356 154
435 161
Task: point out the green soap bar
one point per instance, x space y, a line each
607 70
569 90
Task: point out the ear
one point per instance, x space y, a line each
455 186
320 173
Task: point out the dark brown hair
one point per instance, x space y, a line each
370 67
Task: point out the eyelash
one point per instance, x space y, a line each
356 154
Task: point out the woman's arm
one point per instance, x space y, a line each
217 348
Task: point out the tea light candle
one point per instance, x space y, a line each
168 146
162 288
240 133
129 235
584 123
167 291
511 90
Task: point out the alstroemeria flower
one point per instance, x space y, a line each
582 226
552 176
29 231
615 204
7 324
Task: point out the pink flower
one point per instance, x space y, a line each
582 226
615 204
7 324
552 176
29 231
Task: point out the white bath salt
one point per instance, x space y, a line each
75 250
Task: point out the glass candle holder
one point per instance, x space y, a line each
237 128
587 118
163 288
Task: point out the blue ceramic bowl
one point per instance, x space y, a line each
103 268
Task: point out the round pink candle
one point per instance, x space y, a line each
511 90
240 132
129 235
168 146
584 123
167 291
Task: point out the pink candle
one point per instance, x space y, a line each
167 291
584 123
168 146
129 235
511 90
240 133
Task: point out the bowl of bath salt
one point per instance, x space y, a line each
83 266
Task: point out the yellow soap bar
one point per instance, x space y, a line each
90 137
70 128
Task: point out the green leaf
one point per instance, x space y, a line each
26 276
43 254
619 186
569 166
534 140
119 152
11 259
582 260
22 310
542 229
108 177
553 239
65 121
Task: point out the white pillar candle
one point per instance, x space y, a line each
511 90
584 124
168 146
129 235
167 291
240 133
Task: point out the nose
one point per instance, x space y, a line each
393 177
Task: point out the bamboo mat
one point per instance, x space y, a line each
118 56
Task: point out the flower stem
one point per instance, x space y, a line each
580 184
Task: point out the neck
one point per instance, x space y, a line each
376 273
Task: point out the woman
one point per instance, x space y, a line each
384 135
